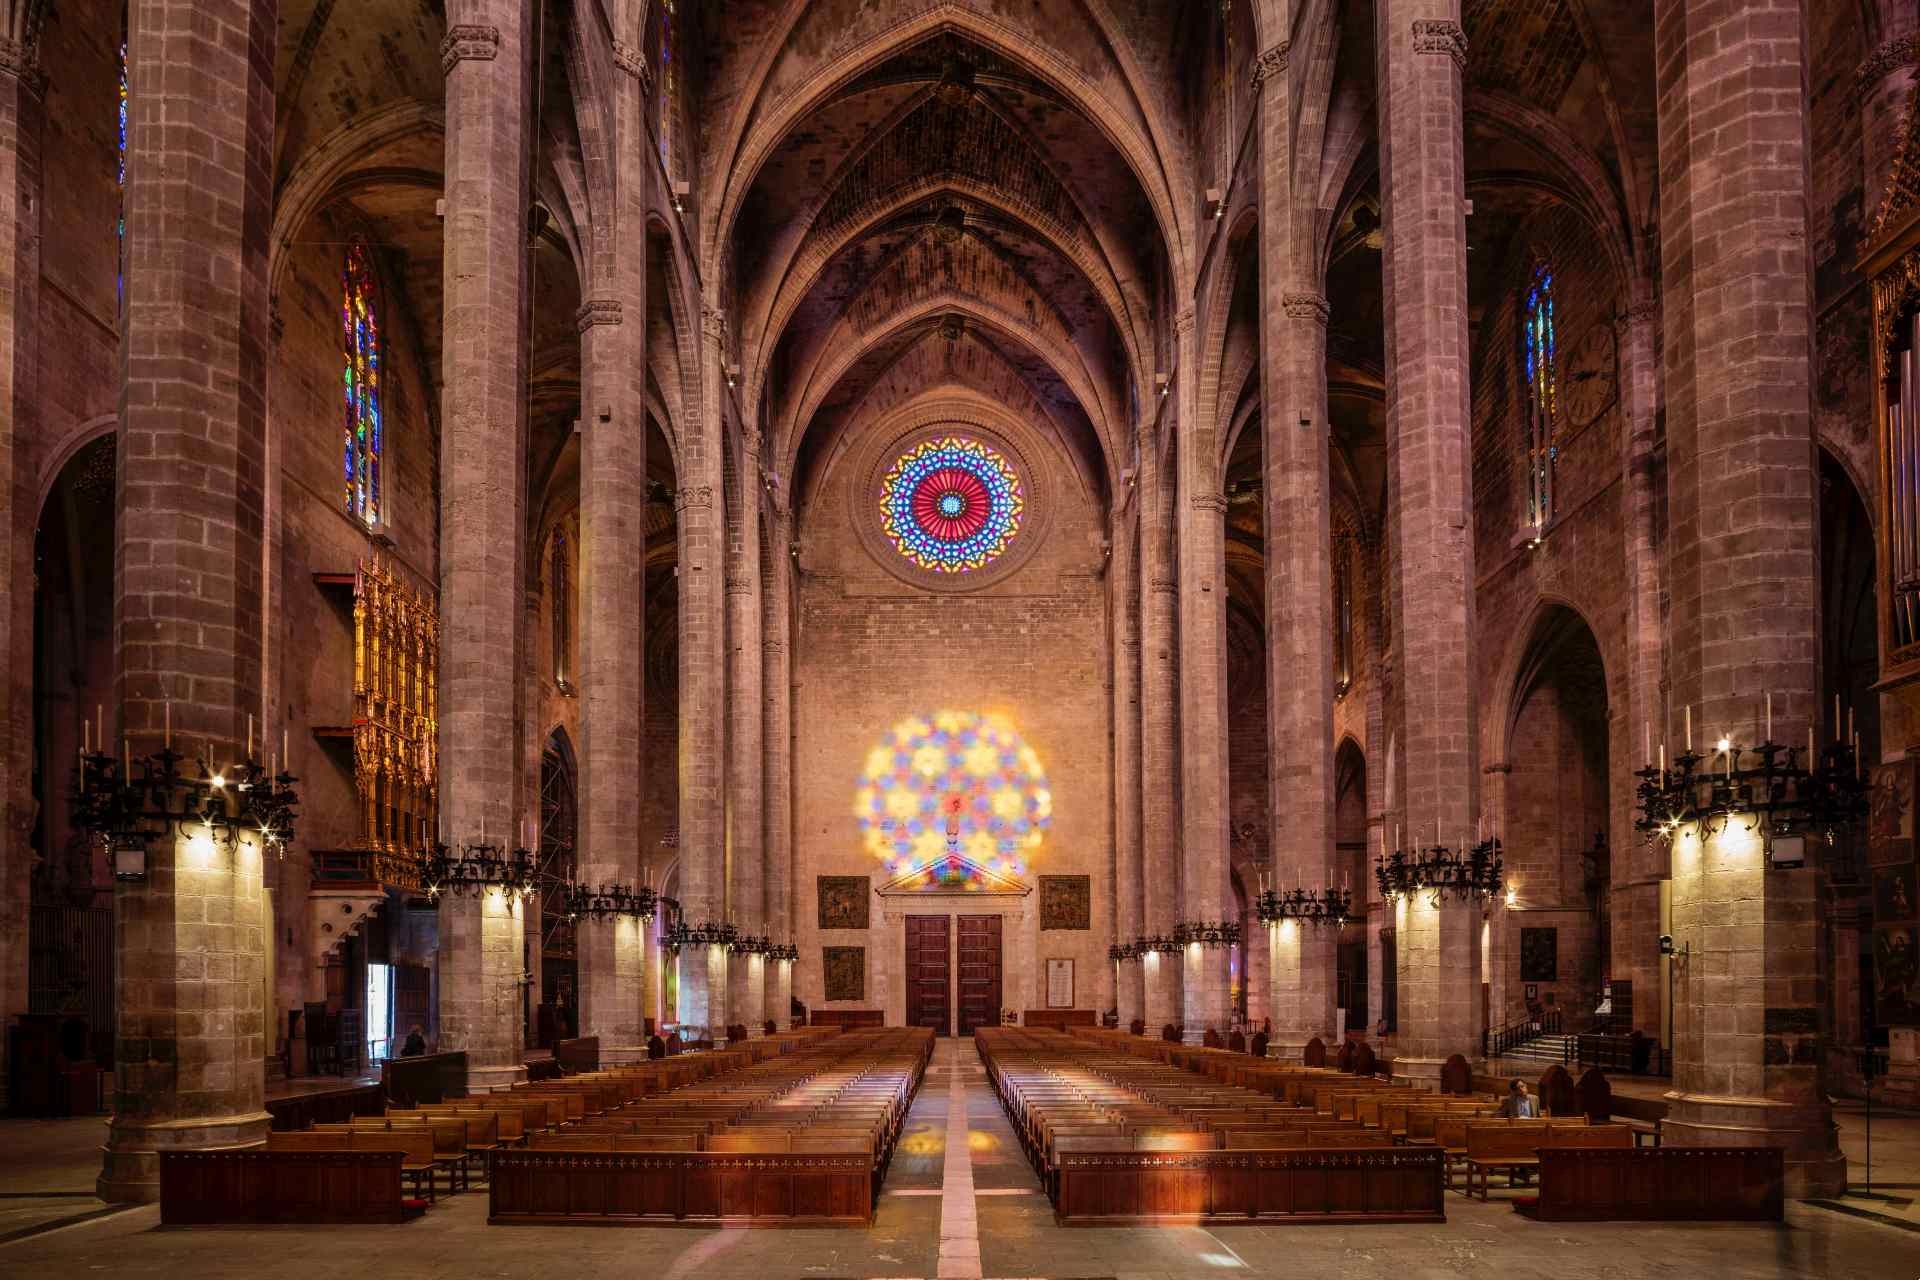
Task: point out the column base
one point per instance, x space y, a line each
1291 1046
130 1162
492 1079
1814 1163
1428 1069
623 1056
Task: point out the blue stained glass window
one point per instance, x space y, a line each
360 387
1541 369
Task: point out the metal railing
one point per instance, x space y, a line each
1496 1043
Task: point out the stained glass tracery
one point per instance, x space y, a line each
1543 391
954 783
120 229
669 81
951 505
361 390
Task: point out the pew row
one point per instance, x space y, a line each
543 1186
1662 1184
258 1185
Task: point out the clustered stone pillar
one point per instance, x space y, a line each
746 766
1299 583
482 527
613 954
1205 888
776 585
22 122
1749 1045
1421 51
703 674
191 938
1159 753
1638 867
1123 590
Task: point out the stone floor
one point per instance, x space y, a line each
959 1202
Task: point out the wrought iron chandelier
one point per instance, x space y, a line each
1765 788
1329 906
128 801
610 902
1474 874
479 868
1208 933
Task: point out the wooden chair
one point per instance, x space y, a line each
1596 1097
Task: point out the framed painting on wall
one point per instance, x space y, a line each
1539 955
846 972
1059 984
844 901
1066 902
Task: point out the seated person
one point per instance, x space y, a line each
416 1044
1519 1104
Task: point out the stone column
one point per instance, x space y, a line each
191 938
1205 889
1421 50
1639 867
482 517
746 765
776 600
1299 584
22 122
1750 996
703 677
1123 592
613 578
1159 798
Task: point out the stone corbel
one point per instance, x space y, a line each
1441 35
1183 322
1306 306
1633 315
634 62
597 311
1271 63
1163 586
1210 502
469 41
693 496
713 323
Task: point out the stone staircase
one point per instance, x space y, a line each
1543 1050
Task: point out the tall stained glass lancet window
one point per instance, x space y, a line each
120 231
669 80
1543 395
361 388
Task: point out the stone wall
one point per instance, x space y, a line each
872 651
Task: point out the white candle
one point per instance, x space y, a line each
249 735
169 724
100 726
1647 751
1689 726
86 737
1663 759
1769 717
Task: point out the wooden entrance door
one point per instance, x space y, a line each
929 991
979 972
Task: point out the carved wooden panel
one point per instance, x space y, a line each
929 973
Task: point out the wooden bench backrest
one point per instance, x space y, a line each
482 1127
1490 1140
1590 1135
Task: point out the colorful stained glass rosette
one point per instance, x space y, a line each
953 782
951 505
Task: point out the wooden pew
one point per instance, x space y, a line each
1672 1184
1513 1146
262 1185
417 1159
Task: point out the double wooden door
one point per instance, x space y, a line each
930 969
929 991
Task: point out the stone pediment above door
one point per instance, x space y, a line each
951 873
